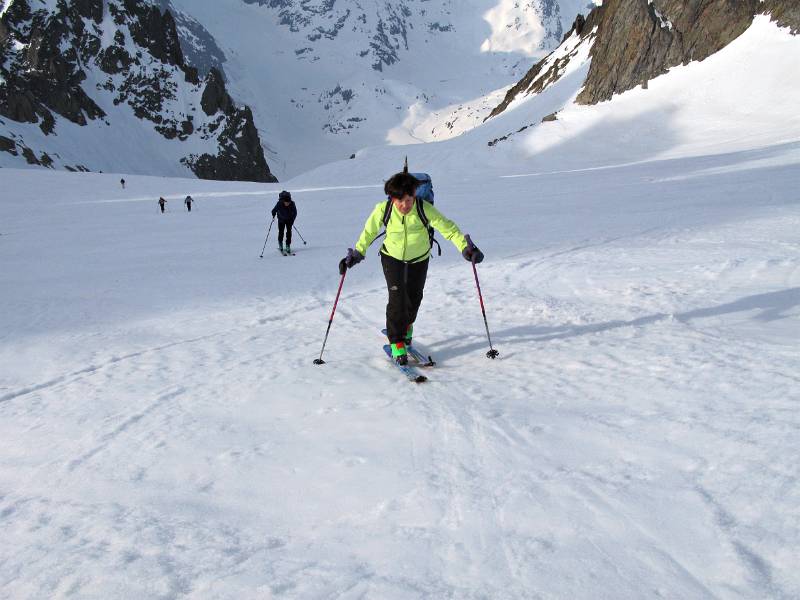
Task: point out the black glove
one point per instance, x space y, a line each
353 258
471 252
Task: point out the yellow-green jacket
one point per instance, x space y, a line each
406 235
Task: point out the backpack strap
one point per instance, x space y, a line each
423 217
387 214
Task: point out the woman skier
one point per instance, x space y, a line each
405 254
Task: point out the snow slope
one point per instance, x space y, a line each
164 433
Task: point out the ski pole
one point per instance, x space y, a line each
298 233
266 238
319 361
492 353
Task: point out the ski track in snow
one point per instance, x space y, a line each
633 439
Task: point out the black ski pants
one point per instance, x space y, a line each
405 282
288 227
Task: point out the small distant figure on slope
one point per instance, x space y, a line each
162 203
122 183
405 253
286 211
188 203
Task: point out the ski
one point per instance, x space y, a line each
420 359
408 370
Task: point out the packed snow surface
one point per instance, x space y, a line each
164 433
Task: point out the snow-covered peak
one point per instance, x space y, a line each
327 78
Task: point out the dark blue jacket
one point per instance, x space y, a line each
286 214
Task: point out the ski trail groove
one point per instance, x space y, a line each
106 439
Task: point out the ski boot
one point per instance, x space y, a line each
399 353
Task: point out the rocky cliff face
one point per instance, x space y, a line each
82 59
634 41
241 156
36 68
638 40
785 12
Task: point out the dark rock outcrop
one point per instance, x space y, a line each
241 156
785 12
44 77
155 31
8 145
215 97
19 106
47 53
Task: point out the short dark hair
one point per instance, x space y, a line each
400 184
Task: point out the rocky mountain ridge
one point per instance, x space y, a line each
633 41
382 30
65 64
323 77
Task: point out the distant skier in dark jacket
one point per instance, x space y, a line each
188 203
162 203
122 182
286 211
